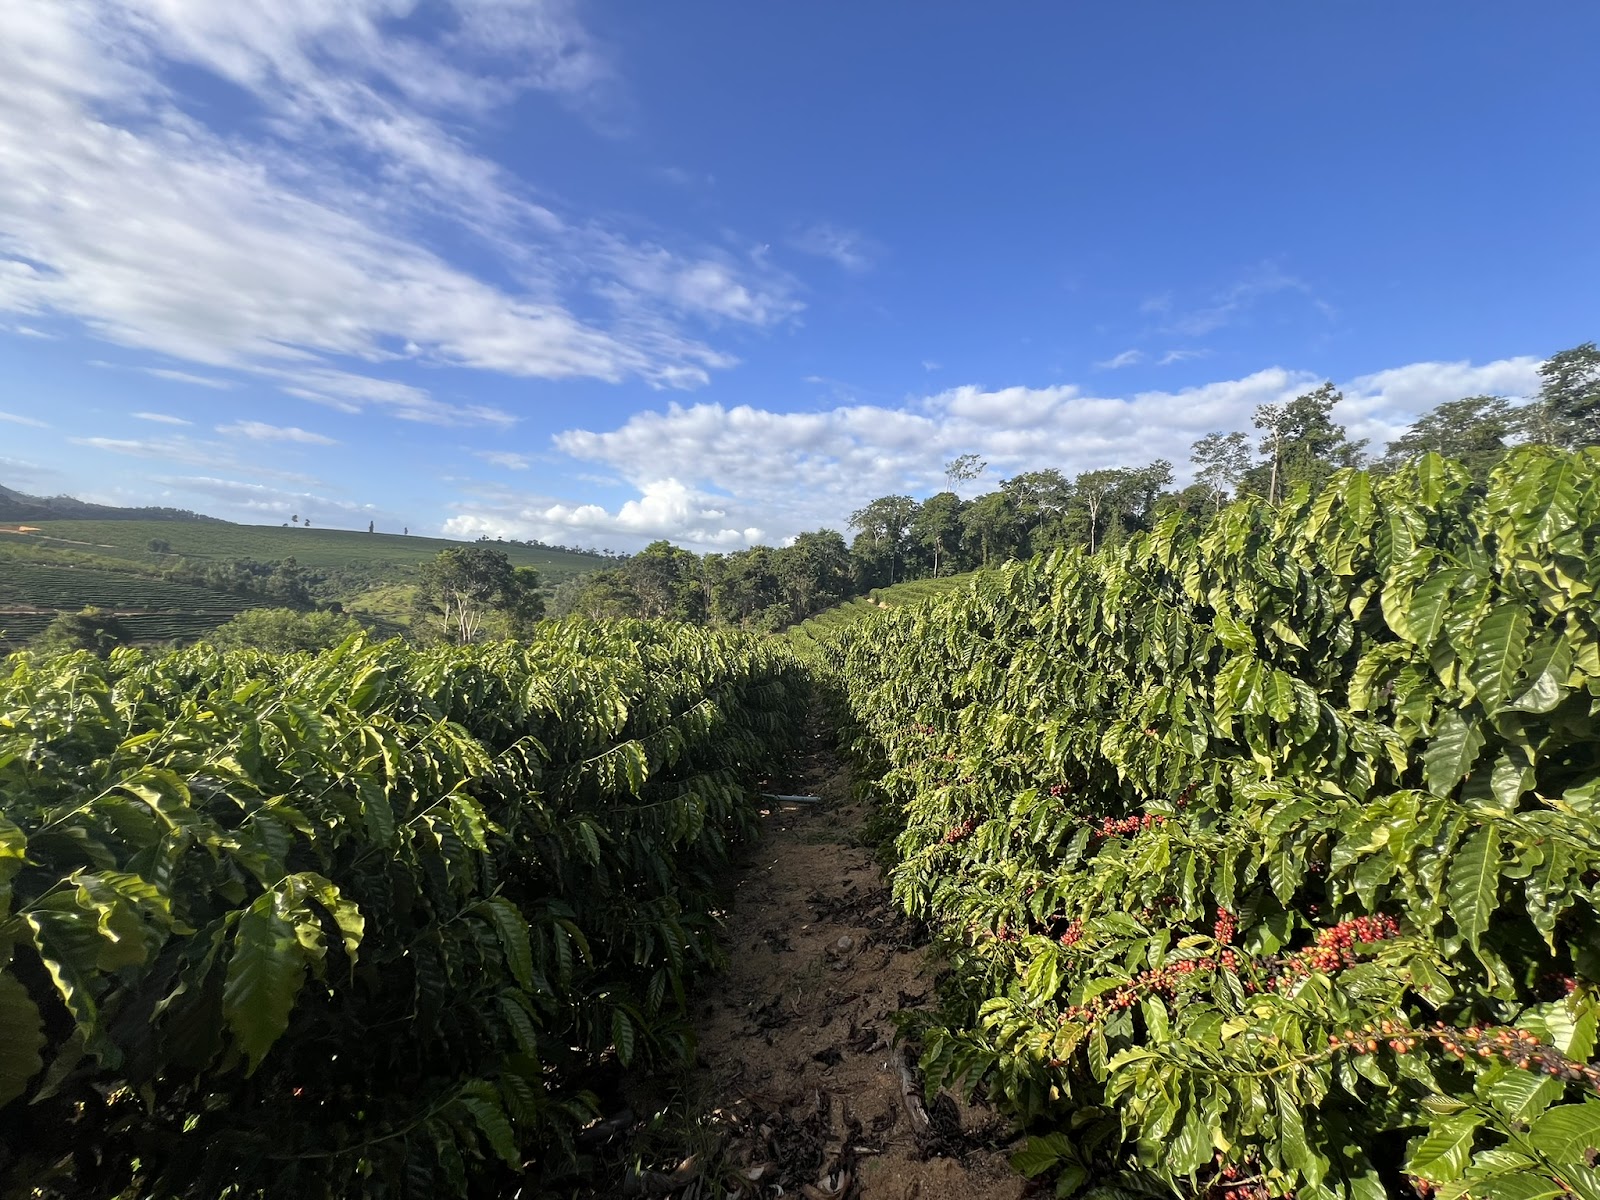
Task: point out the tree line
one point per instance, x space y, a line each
1293 444
472 591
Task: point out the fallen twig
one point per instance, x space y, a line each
911 1097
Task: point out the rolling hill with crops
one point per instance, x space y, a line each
165 574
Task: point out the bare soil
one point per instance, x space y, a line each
799 1088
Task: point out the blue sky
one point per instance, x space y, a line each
603 272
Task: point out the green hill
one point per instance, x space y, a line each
117 563
26 585
19 506
378 557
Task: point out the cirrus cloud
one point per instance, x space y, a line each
260 431
263 248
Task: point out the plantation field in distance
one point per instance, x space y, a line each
69 587
315 549
49 567
893 596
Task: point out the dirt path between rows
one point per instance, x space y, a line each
798 1084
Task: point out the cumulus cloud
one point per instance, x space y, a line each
1380 406
259 431
291 246
665 508
706 474
713 476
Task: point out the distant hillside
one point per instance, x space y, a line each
368 559
19 506
171 574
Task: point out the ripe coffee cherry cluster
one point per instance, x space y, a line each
1074 933
1333 948
1224 929
1516 1046
1060 789
1111 827
922 730
960 832
1519 1048
1158 981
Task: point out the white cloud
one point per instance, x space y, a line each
851 250
506 459
354 393
1232 303
160 418
1178 356
1127 358
1380 406
264 500
705 473
665 508
193 452
259 431
205 381
929 364
18 419
174 449
293 247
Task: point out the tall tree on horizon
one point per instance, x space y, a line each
885 524
1567 411
1474 431
964 468
464 584
1039 499
991 522
937 528
1302 444
1092 489
1222 459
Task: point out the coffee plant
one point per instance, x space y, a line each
1266 850
365 923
